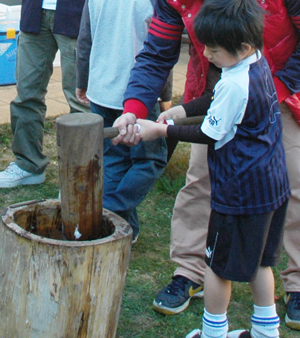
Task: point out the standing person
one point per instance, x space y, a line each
160 53
188 227
249 179
107 47
45 27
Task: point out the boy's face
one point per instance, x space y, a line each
220 57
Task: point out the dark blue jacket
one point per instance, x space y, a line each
66 21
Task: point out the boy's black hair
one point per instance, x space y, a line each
229 23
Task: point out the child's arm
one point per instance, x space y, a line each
198 106
173 113
193 108
150 131
191 134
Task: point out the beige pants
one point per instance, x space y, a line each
291 138
192 209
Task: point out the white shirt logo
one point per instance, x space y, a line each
208 252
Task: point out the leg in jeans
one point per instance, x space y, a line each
35 55
129 172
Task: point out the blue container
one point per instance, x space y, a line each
9 31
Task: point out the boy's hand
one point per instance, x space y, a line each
165 105
81 96
150 131
176 112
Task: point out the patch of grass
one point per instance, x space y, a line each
168 186
5 135
150 268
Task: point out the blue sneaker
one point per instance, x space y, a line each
292 317
176 297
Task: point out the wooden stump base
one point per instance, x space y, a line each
53 288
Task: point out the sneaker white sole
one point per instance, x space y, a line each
295 325
35 179
174 311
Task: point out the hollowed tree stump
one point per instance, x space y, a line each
63 265
55 288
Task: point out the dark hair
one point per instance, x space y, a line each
229 23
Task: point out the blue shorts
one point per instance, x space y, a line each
238 244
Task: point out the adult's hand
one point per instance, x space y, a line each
127 130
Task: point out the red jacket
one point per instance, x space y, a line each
160 54
198 64
282 24
162 48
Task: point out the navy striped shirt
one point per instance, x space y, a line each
247 164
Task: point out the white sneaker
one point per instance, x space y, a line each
14 175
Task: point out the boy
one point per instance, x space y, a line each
248 174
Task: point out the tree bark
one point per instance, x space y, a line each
53 288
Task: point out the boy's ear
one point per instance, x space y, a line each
245 50
246 47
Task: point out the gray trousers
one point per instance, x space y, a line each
35 56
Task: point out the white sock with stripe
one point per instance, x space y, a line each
214 326
265 322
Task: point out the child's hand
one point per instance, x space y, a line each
176 112
150 131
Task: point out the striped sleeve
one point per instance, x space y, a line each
159 55
164 30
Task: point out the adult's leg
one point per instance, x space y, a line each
145 165
190 218
188 237
67 47
35 55
291 275
130 172
291 138
192 209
